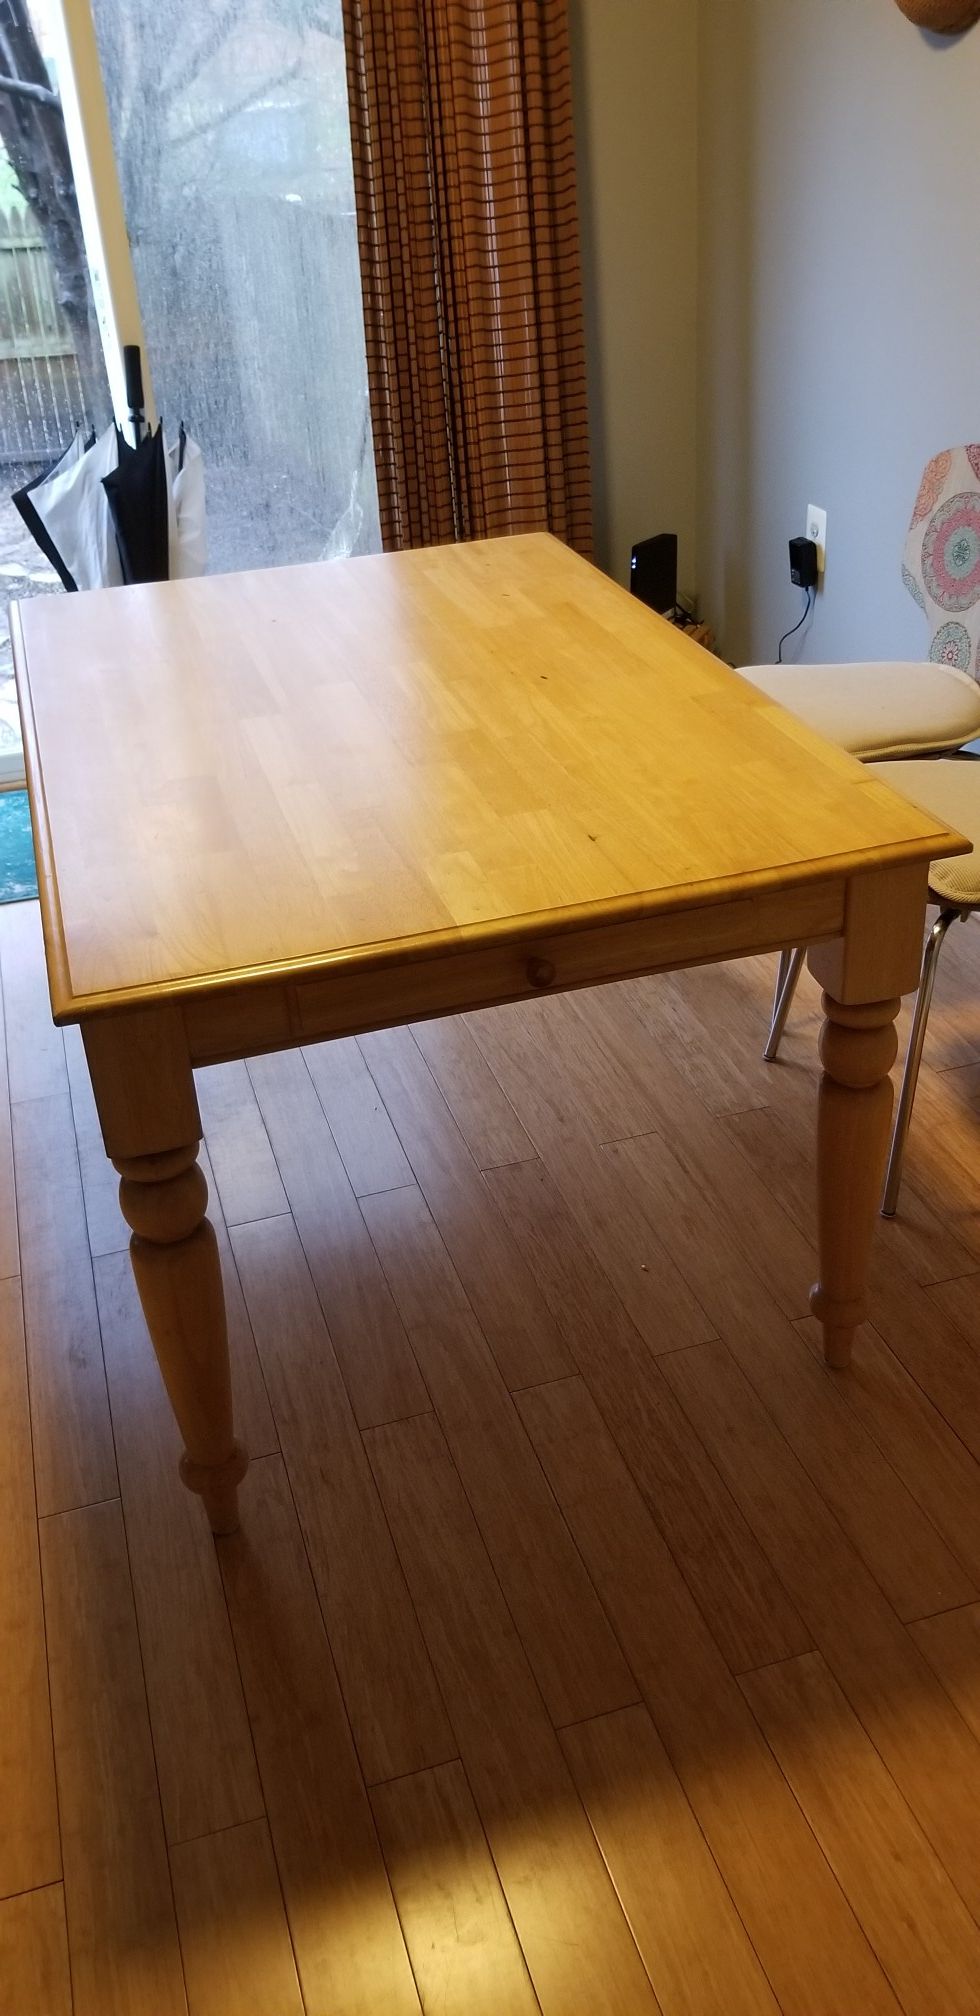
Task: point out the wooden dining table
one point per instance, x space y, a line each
276 807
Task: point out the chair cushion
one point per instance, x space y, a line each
951 792
878 710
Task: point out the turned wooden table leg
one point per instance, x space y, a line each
178 1274
863 974
143 1081
858 1047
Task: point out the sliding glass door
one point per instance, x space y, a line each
211 153
232 146
231 138
52 368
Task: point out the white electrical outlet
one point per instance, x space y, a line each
816 529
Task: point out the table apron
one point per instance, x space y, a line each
267 1015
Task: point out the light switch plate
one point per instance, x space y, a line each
816 529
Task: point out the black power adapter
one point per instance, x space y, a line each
803 563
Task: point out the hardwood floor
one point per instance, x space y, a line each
586 1646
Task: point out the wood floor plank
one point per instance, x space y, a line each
954 1039
941 1153
776 1141
522 1335
612 1098
30 1851
369 1147
662 1305
611 1023
574 1656
74 1463
575 1940
964 1082
664 1040
694 1945
925 1744
35 1048
636 1090
481 1109
349 1949
122 1934
245 1169
751 1615
960 1301
954 1034
683 1013
201 1737
915 1437
108 1231
34 1976
812 1950
896 1539
951 1643
933 1349
379 1370
914 1323
459 1933
940 1164
253 1414
234 1939
396 1712
919 1927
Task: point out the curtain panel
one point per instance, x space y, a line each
464 172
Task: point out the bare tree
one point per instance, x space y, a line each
32 132
157 59
224 269
155 56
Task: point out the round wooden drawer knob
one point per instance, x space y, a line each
541 972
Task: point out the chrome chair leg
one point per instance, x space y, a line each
910 1076
787 980
781 972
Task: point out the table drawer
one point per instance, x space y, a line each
373 994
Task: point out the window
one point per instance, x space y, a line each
178 173
231 137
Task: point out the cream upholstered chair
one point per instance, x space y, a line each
882 711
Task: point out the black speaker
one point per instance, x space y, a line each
653 572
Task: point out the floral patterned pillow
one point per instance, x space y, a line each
942 556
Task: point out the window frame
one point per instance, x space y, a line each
99 197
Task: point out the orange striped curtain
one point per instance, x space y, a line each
464 168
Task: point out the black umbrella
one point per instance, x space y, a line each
138 490
106 513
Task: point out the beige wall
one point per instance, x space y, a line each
636 110
840 306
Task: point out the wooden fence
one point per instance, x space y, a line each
41 396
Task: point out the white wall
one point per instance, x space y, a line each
839 306
636 115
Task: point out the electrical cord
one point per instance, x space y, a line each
810 602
